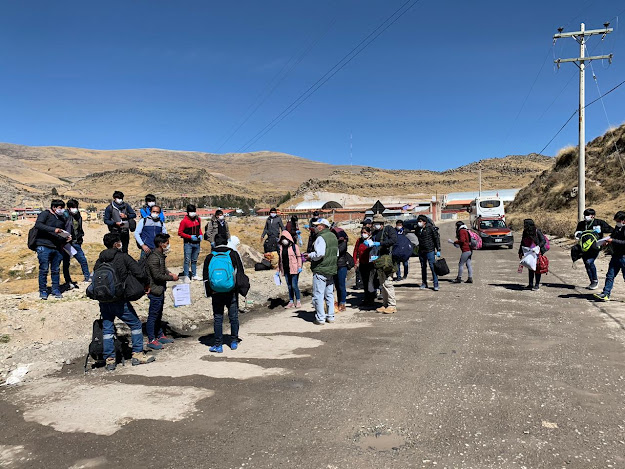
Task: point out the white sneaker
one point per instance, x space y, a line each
186 280
197 278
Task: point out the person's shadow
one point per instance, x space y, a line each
509 286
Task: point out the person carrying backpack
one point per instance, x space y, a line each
120 218
429 249
384 238
190 230
532 237
115 266
290 265
224 280
159 276
617 262
463 241
588 231
147 229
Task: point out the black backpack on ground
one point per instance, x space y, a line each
96 346
105 286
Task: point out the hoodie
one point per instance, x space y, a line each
293 253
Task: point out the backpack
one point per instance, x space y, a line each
96 346
402 249
588 241
476 240
32 238
547 245
221 273
105 286
542 264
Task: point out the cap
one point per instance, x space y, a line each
378 218
322 221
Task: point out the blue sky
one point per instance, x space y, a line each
440 88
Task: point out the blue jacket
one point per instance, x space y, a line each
146 211
147 229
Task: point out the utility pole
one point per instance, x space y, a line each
480 178
580 36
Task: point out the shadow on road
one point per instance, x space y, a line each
558 285
509 286
209 339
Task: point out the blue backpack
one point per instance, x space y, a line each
402 249
221 273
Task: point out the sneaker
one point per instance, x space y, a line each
298 304
593 285
317 323
381 309
43 295
234 345
469 280
165 340
536 288
216 349
197 278
602 296
71 286
110 364
424 286
185 279
436 288
341 308
329 321
155 345
141 358
57 295
390 310
457 280
529 287
290 305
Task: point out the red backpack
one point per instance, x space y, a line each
542 264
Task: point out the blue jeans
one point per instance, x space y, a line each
340 280
120 309
292 282
591 269
153 325
323 289
616 264
220 302
428 258
49 259
399 265
82 260
191 253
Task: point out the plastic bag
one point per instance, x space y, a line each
530 256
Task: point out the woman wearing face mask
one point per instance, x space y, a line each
361 262
290 266
216 225
147 229
531 238
190 230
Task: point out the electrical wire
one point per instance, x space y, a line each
347 58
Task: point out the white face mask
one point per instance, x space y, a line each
365 235
220 218
619 224
166 249
73 210
273 215
588 218
119 201
118 247
377 226
421 224
58 211
192 214
156 216
151 204
285 242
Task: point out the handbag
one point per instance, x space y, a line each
133 289
349 259
440 267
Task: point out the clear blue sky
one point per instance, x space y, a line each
442 87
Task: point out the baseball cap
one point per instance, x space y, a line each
322 221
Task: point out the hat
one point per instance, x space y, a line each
378 218
367 221
322 221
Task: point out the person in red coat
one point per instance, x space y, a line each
190 230
361 262
463 241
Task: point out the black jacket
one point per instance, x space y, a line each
242 282
47 222
123 265
429 239
342 237
527 241
77 234
585 226
273 227
618 242
390 238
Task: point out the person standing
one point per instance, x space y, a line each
146 210
273 229
601 228
159 276
340 279
617 262
463 241
73 225
531 238
190 230
399 227
323 257
429 249
290 266
363 266
224 280
147 229
119 216
384 238
216 225
51 237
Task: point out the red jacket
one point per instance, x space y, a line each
189 227
361 252
464 240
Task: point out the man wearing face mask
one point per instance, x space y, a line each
385 238
73 225
273 228
147 229
429 249
190 230
617 263
117 216
159 276
216 225
51 237
601 228
150 201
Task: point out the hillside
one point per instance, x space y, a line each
551 196
29 175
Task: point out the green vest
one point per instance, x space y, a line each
327 266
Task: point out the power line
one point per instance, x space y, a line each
347 58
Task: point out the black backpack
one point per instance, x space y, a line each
96 346
105 286
402 249
32 238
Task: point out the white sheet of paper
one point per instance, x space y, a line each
602 241
276 278
181 294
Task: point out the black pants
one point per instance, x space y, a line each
533 274
125 237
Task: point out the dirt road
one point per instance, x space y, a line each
483 375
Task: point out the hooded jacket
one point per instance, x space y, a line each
190 227
342 238
429 239
294 254
273 227
73 225
464 239
123 264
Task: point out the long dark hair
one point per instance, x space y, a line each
530 230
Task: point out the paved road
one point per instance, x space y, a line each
484 375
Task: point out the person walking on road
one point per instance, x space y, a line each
159 276
120 218
273 229
216 225
324 258
147 229
190 230
124 266
617 262
463 241
224 280
384 238
532 237
600 229
429 249
290 266
363 266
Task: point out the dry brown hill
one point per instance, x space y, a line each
551 196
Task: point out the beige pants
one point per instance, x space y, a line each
388 289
